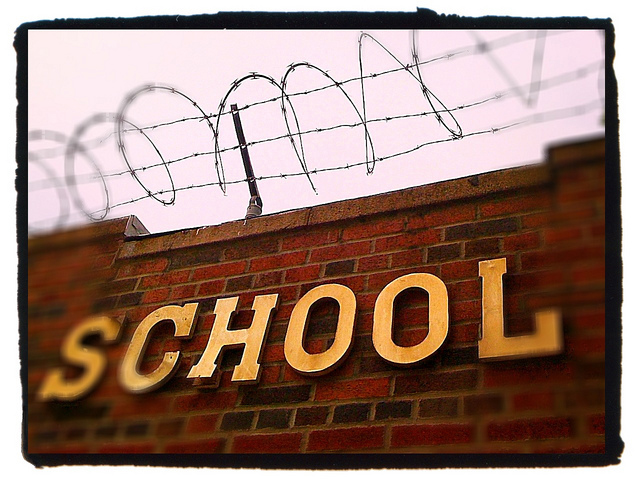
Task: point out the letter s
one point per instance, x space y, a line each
55 386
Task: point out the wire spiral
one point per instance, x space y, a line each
122 125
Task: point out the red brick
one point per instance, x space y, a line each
359 438
172 343
438 434
273 353
165 279
314 346
566 196
564 274
270 374
277 261
209 445
355 283
573 297
408 258
435 381
408 338
367 301
463 333
592 318
237 284
268 279
156 296
459 270
290 375
183 291
132 406
207 400
361 388
341 252
311 416
579 213
301 274
589 274
533 401
378 281
562 235
372 229
277 395
572 177
585 345
483 404
444 253
537 260
219 270
279 443
202 424
466 290
407 240
404 317
374 262
529 373
445 216
464 311
252 248
486 228
515 205
283 314
211 288
198 343
529 429
141 268
103 261
518 243
579 253
309 239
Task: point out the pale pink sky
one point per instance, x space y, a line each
74 74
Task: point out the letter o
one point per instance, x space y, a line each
319 363
383 319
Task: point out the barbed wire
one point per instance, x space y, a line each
540 117
75 146
471 49
544 84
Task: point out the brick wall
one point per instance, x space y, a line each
548 221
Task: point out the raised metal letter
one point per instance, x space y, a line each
252 338
130 378
547 339
438 319
319 363
94 362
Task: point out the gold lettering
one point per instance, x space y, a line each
547 339
253 338
383 319
130 379
319 363
94 362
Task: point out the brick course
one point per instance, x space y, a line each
547 220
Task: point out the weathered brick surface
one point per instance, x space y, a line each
432 434
547 221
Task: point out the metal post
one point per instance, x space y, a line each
255 202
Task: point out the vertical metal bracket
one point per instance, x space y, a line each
255 202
